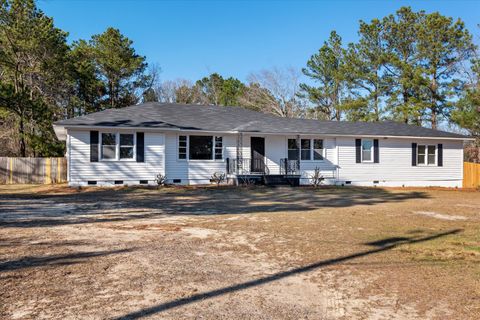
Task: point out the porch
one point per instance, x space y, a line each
257 171
280 159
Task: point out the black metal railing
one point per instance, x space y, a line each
258 166
289 167
246 166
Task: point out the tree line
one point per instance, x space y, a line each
43 78
415 67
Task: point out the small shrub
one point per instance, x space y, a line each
160 179
246 181
317 178
218 178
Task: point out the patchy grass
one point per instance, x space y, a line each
259 253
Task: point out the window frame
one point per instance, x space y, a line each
435 155
214 148
117 146
187 140
297 149
312 149
371 151
134 147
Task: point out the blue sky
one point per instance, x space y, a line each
191 39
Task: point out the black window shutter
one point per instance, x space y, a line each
93 146
140 147
440 155
414 154
376 151
358 150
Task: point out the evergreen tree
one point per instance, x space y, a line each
364 70
232 90
326 69
88 89
34 60
405 102
442 45
119 67
467 113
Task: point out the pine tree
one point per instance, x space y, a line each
326 69
442 45
119 67
467 111
364 70
405 101
34 58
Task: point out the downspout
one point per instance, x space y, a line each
337 165
239 152
68 157
299 152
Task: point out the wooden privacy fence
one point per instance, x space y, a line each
32 170
471 175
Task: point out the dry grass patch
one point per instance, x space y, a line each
258 253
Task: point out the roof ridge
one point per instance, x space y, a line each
234 118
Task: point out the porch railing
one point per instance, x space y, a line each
246 166
289 167
258 166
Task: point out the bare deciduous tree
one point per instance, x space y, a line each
176 91
275 91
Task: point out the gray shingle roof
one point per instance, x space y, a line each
213 118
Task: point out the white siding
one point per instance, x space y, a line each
245 147
81 170
327 166
161 156
275 149
195 171
174 168
395 166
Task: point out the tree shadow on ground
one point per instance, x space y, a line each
380 246
55 260
104 205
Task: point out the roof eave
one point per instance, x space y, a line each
61 132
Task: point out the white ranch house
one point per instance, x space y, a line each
189 143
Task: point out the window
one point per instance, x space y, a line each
310 149
182 147
305 145
421 155
367 150
117 146
426 154
126 146
292 149
201 148
431 155
218 148
317 149
109 146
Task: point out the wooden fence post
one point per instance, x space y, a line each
32 170
48 170
471 175
59 170
11 171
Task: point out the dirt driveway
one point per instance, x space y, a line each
236 253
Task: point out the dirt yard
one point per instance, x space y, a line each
239 253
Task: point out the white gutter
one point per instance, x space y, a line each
60 131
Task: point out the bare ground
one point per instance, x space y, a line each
229 253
